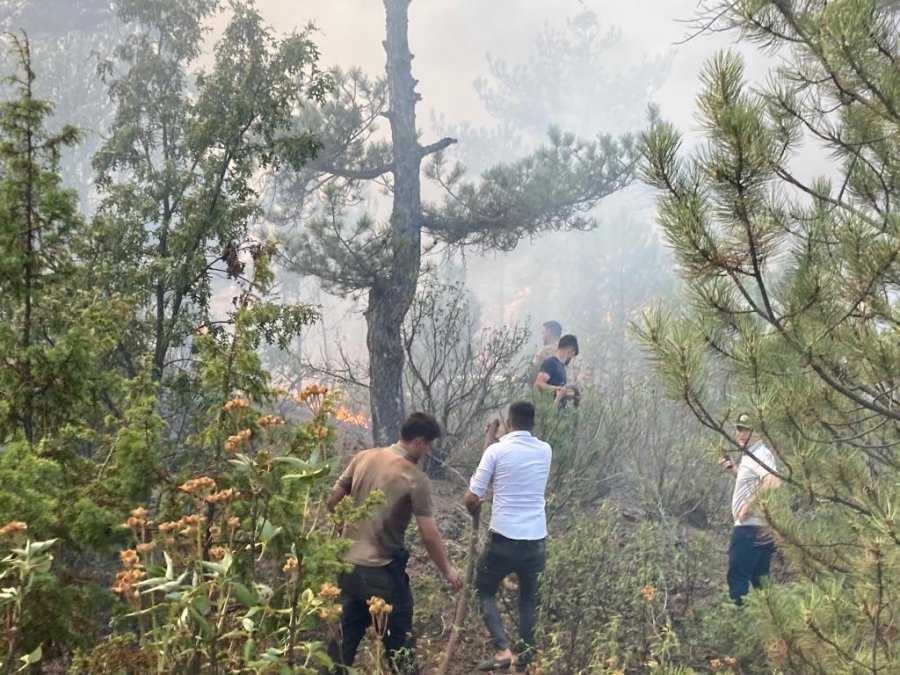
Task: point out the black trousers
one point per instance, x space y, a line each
502 557
392 584
749 559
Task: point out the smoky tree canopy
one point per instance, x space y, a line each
792 286
177 166
459 372
351 251
56 18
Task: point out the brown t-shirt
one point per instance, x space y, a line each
406 494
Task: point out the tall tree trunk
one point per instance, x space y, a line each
391 298
28 254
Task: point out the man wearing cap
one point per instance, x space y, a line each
752 545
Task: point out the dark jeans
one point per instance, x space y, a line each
749 558
501 558
392 584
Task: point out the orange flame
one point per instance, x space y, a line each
511 309
350 417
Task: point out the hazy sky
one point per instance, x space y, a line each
451 38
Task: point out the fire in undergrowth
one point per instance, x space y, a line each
350 417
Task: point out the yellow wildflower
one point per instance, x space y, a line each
236 404
13 528
329 591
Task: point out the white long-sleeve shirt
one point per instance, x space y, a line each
518 465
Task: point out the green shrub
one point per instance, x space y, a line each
638 598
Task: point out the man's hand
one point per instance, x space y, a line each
472 502
453 578
490 432
727 465
338 492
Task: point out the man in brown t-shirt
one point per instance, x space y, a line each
378 553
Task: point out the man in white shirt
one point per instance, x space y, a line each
517 465
752 545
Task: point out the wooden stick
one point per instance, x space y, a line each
462 604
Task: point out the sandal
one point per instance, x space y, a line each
494 663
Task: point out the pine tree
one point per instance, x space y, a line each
350 252
791 309
52 333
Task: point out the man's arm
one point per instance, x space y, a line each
542 383
436 551
338 492
768 482
481 479
472 502
342 487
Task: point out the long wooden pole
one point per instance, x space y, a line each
462 604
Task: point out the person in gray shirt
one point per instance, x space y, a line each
752 544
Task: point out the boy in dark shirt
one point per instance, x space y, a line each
552 375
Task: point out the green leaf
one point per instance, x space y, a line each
170 566
35 547
249 648
32 658
201 603
267 531
161 584
244 596
295 462
218 568
203 624
307 475
322 657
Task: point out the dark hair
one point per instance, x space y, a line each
554 328
521 415
420 425
569 341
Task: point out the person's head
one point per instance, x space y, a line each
550 332
567 349
742 429
520 416
418 433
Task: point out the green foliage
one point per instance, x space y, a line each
51 336
24 569
227 582
31 486
95 314
652 601
551 189
791 315
183 150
